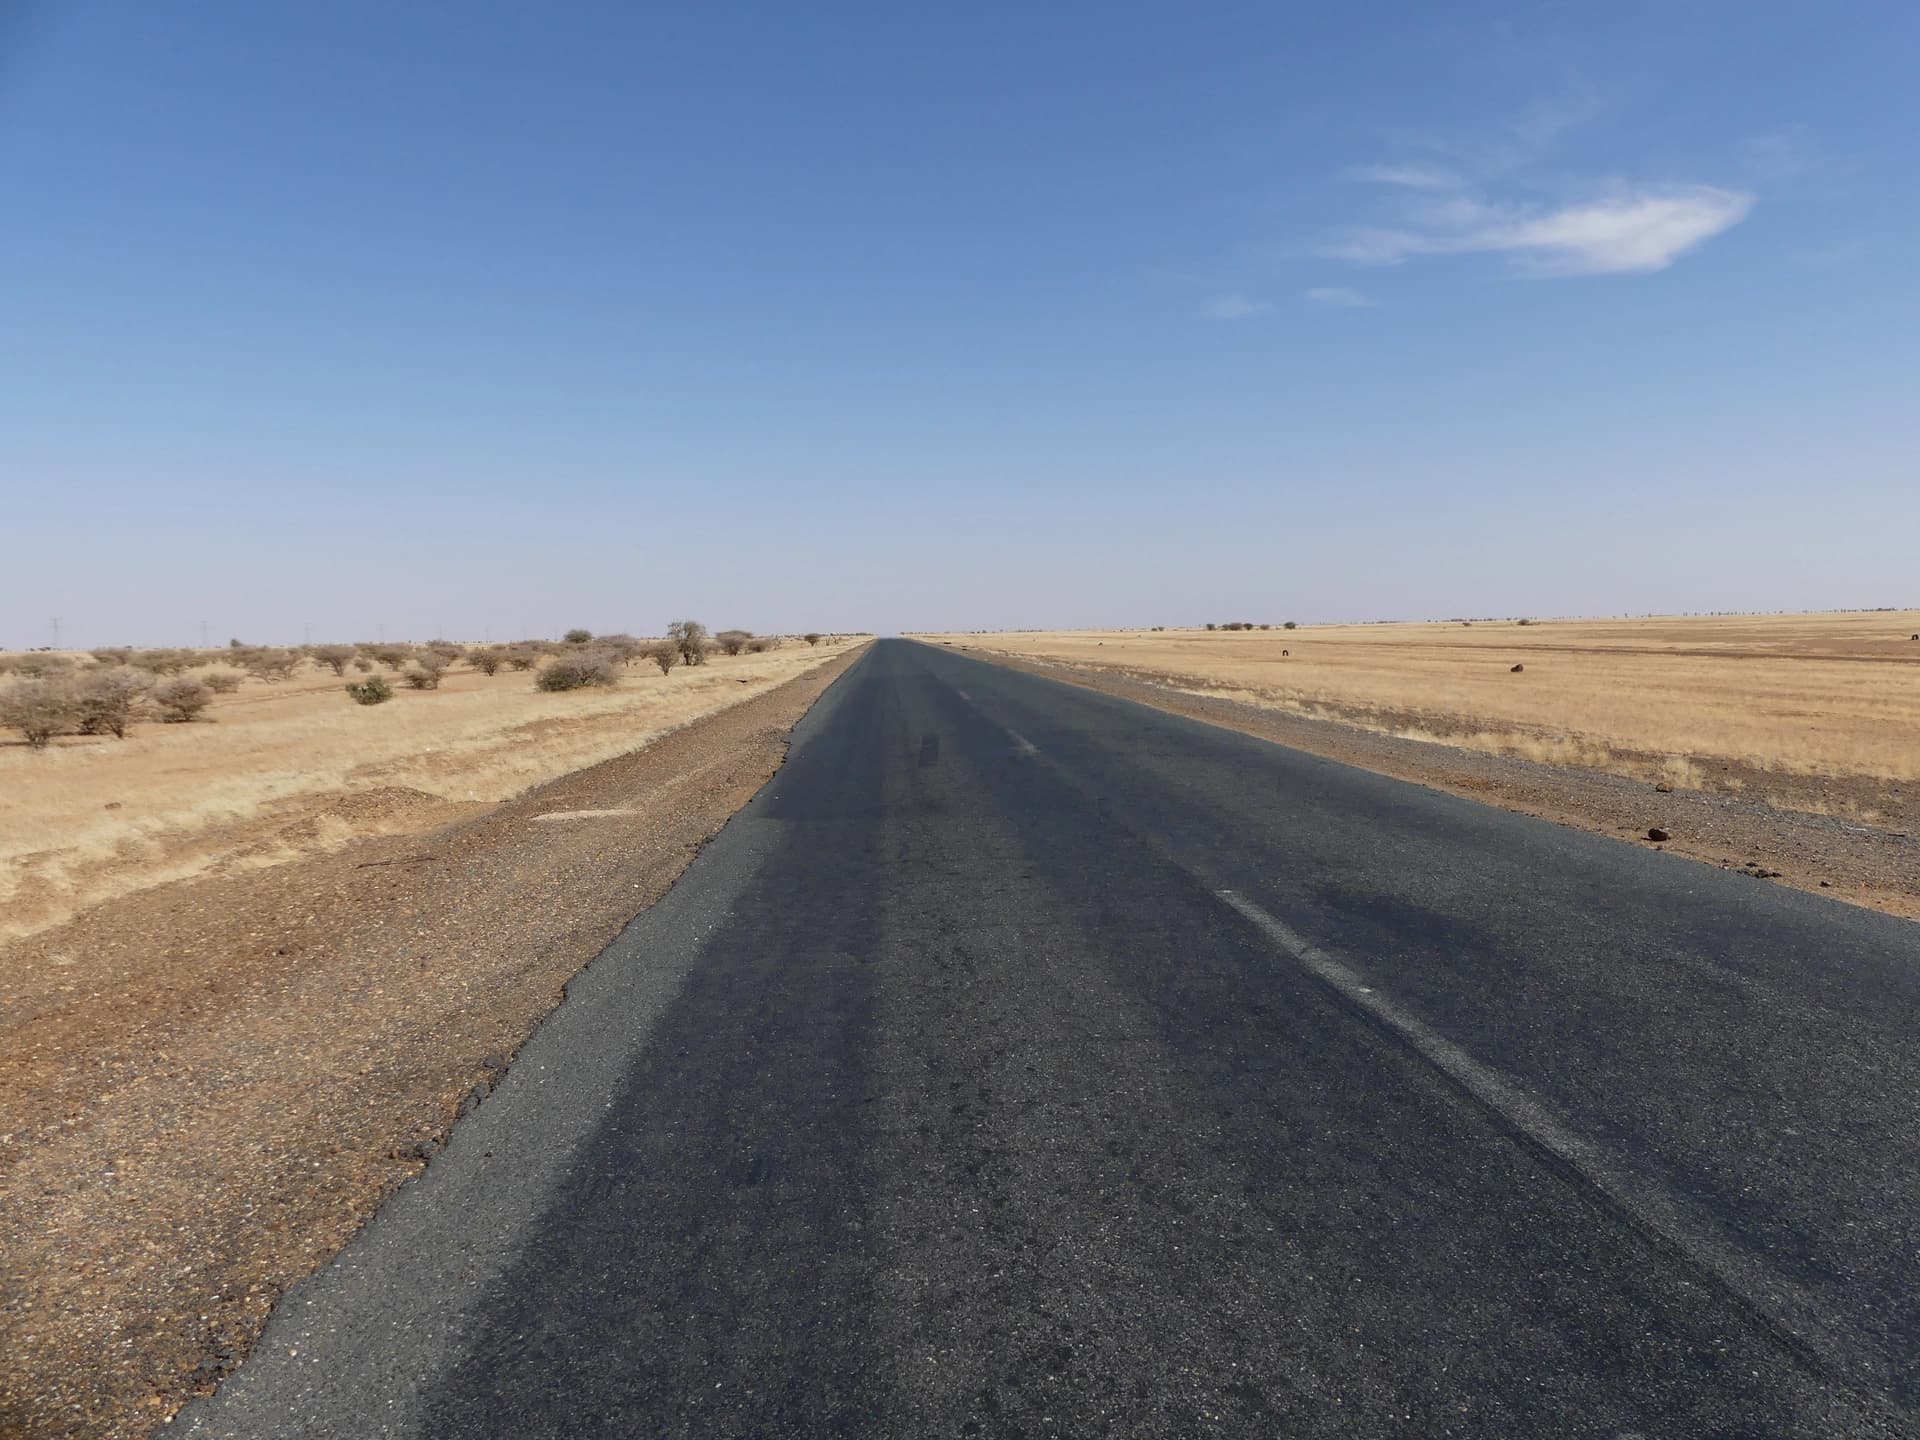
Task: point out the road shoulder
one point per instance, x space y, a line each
233 1074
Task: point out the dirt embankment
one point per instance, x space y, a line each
207 1087
1780 828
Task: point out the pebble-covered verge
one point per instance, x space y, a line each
207 1088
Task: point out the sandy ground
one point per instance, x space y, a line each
207 1085
277 772
1814 696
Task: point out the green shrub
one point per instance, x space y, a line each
577 637
734 641
812 637
374 690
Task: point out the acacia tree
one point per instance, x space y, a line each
689 637
334 657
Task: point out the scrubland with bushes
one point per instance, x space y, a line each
124 767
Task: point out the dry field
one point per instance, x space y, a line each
276 772
1709 702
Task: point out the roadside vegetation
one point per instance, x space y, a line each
122 767
45 695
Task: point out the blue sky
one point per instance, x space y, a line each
492 319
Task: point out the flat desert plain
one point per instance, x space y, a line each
1829 696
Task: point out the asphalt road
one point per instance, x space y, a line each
1023 1062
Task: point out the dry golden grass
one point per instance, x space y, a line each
274 772
1826 695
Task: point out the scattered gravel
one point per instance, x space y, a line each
206 1088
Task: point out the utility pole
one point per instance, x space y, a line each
56 632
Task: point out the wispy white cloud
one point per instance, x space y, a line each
1236 307
1339 297
1629 231
1413 177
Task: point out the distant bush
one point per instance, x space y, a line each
486 659
221 682
445 649
1212 626
362 664
812 637
575 672
733 641
523 657
577 637
391 656
113 655
181 700
334 657
270 665
1291 625
623 648
424 671
164 662
106 700
665 654
760 644
41 667
374 690
690 636
38 709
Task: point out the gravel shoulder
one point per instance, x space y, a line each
1765 825
207 1088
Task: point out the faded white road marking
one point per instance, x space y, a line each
964 696
1792 1317
1023 745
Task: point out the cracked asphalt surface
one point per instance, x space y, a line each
953 1091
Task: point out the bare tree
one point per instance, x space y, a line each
105 700
334 657
38 709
